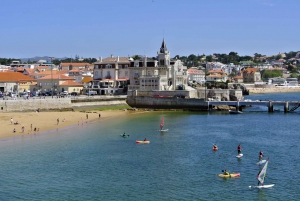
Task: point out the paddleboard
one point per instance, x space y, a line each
164 130
263 186
239 155
261 162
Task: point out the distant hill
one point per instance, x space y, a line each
40 58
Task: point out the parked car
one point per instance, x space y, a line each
91 93
12 94
74 93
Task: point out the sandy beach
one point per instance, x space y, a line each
274 90
34 122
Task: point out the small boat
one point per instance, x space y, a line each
235 112
142 141
215 148
232 175
162 124
124 136
261 177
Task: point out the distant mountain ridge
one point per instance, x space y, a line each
37 58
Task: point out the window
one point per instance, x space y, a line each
108 66
126 66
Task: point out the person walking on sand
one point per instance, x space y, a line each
99 115
57 121
11 121
30 127
23 128
87 116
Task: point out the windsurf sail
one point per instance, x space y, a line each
262 174
162 123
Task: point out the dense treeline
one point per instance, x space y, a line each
191 60
232 57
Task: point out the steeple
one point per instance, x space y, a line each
163 47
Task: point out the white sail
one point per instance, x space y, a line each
261 175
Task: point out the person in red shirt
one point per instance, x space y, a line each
239 148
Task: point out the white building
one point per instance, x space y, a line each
160 74
111 75
195 75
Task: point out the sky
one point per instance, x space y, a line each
94 28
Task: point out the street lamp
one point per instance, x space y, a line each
204 58
89 85
52 87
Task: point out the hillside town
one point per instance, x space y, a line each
117 75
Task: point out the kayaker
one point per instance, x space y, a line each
145 139
215 146
226 173
239 148
124 134
260 155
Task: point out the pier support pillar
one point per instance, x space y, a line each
270 107
286 107
240 108
210 107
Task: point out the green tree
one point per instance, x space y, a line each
136 57
265 74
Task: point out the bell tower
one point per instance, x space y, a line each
163 55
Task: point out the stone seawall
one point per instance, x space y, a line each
167 103
33 104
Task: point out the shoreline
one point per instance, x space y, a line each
273 90
43 122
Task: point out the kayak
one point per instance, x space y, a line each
232 175
124 136
142 141
215 148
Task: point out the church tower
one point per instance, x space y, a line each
163 55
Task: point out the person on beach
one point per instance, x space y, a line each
30 127
260 155
239 148
14 130
87 116
11 121
34 129
57 121
23 128
99 115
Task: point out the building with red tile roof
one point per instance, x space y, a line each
251 75
14 82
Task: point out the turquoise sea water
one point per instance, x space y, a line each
92 162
